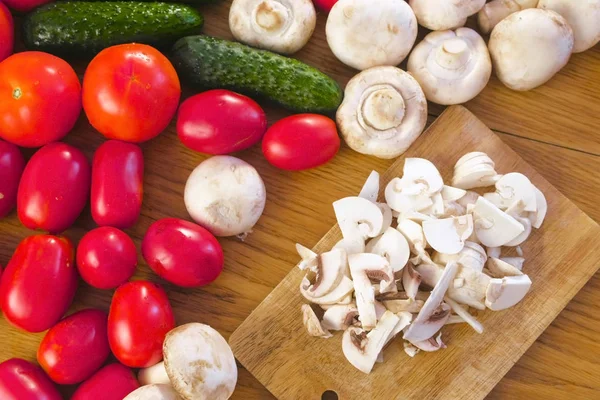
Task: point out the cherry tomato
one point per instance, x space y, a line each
11 168
140 317
25 5
220 122
21 380
106 257
130 92
301 141
54 188
75 348
117 377
117 184
7 38
40 99
182 252
325 5
39 282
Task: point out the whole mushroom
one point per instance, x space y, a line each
153 392
439 15
584 18
496 10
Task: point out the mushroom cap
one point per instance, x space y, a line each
399 201
422 175
199 363
493 227
155 374
153 392
584 18
439 15
393 246
365 34
282 26
496 10
384 111
506 292
452 67
358 217
529 47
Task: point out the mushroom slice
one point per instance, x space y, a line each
464 315
439 15
516 262
393 246
415 216
312 324
455 319
413 232
411 280
404 319
361 348
309 258
537 217
363 34
384 110
583 16
494 252
370 189
340 292
431 344
280 26
472 288
340 317
511 189
156 374
448 235
358 217
472 256
437 208
450 193
479 176
468 200
523 235
386 211
447 60
506 292
330 269
430 273
410 349
403 305
496 10
467 159
154 392
424 174
351 245
493 227
398 200
500 269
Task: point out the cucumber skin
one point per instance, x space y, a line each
76 27
208 63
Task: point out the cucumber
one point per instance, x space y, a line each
207 62
78 27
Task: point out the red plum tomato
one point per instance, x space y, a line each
325 5
22 380
182 252
220 122
140 316
25 5
120 379
54 188
106 257
11 168
7 37
301 142
39 282
117 184
75 348
130 92
40 99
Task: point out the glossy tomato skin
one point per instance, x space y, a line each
54 188
117 184
301 142
140 316
130 92
182 252
106 257
75 348
39 282
40 98
325 5
25 5
220 122
7 38
21 380
120 379
11 168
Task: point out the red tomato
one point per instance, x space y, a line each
182 253
113 382
11 168
75 348
40 99
220 122
117 184
25 5
39 282
325 5
301 141
106 257
21 380
54 188
7 38
130 92
140 317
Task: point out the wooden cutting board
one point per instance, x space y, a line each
560 258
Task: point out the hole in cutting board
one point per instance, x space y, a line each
329 395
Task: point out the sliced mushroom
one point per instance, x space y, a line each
431 344
450 193
512 188
496 10
370 189
340 317
537 217
422 175
309 258
393 246
154 392
500 269
464 315
468 200
493 227
397 198
526 223
351 245
494 252
448 235
516 262
404 305
583 16
404 319
386 211
358 218
439 15
410 349
472 256
384 111
413 232
340 292
472 289
411 280
506 292
331 268
312 324
455 319
156 374
430 273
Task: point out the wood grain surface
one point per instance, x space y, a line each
554 128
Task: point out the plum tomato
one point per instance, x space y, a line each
325 5
7 35
25 5
120 379
22 380
11 168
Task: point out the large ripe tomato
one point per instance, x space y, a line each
25 5
7 35
21 380
220 122
113 382
139 319
106 257
130 92
11 168
40 98
39 282
54 188
75 348
301 141
182 252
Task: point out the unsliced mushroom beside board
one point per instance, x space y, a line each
420 259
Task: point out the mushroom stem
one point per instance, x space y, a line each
453 53
464 314
383 108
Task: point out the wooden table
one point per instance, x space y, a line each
556 128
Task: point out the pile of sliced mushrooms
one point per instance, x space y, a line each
422 259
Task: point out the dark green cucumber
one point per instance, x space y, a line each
76 27
208 62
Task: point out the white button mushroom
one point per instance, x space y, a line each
393 246
358 217
448 235
370 189
421 176
512 188
506 292
334 297
584 18
496 10
529 47
452 67
474 170
153 392
329 271
365 34
156 374
280 26
439 15
493 227
403 203
384 111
